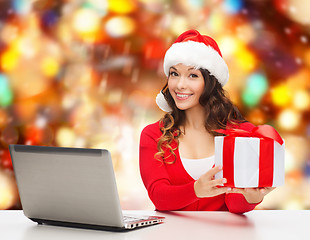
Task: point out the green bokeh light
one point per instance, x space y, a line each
6 95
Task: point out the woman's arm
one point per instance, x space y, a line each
236 203
156 179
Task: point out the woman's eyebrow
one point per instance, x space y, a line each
192 68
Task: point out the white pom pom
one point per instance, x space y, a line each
162 103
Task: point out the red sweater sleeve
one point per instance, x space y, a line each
162 193
236 203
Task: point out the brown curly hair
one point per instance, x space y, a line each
218 108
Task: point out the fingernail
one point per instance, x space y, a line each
220 167
229 189
224 180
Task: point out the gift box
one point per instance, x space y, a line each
250 158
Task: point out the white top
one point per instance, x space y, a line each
196 167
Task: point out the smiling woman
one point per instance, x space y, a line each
177 152
186 85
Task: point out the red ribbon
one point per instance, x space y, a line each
260 131
267 135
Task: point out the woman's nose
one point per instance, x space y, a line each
182 83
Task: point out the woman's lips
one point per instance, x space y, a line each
182 96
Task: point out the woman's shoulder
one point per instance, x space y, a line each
153 129
150 134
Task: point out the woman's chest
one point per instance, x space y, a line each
195 145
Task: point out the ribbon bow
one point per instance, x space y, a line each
260 131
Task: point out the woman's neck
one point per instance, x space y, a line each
195 118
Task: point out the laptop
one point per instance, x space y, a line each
73 187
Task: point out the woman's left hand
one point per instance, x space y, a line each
252 195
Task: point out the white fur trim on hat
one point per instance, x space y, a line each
199 55
162 103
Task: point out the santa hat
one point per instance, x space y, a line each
193 49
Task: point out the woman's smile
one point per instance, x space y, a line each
183 96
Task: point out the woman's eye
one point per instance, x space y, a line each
173 74
193 75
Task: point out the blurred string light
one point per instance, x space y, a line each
50 66
289 119
297 10
65 137
196 3
120 26
6 94
8 190
232 6
178 24
245 59
87 24
216 22
8 33
100 6
294 203
10 58
281 95
246 33
229 45
33 135
122 6
236 49
38 133
22 7
256 87
301 100
29 45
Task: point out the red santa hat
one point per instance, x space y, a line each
193 49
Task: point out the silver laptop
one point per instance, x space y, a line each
72 187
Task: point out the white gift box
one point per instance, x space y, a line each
246 168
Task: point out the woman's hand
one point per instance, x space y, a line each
207 186
252 195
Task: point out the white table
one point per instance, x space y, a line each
255 225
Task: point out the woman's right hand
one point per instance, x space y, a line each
207 186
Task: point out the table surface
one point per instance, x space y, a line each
255 225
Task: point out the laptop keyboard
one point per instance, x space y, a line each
128 219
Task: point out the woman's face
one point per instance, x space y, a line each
185 84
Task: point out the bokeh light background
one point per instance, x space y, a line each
85 73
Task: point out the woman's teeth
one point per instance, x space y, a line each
183 95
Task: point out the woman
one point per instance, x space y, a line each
177 152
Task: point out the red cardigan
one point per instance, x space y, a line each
170 187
